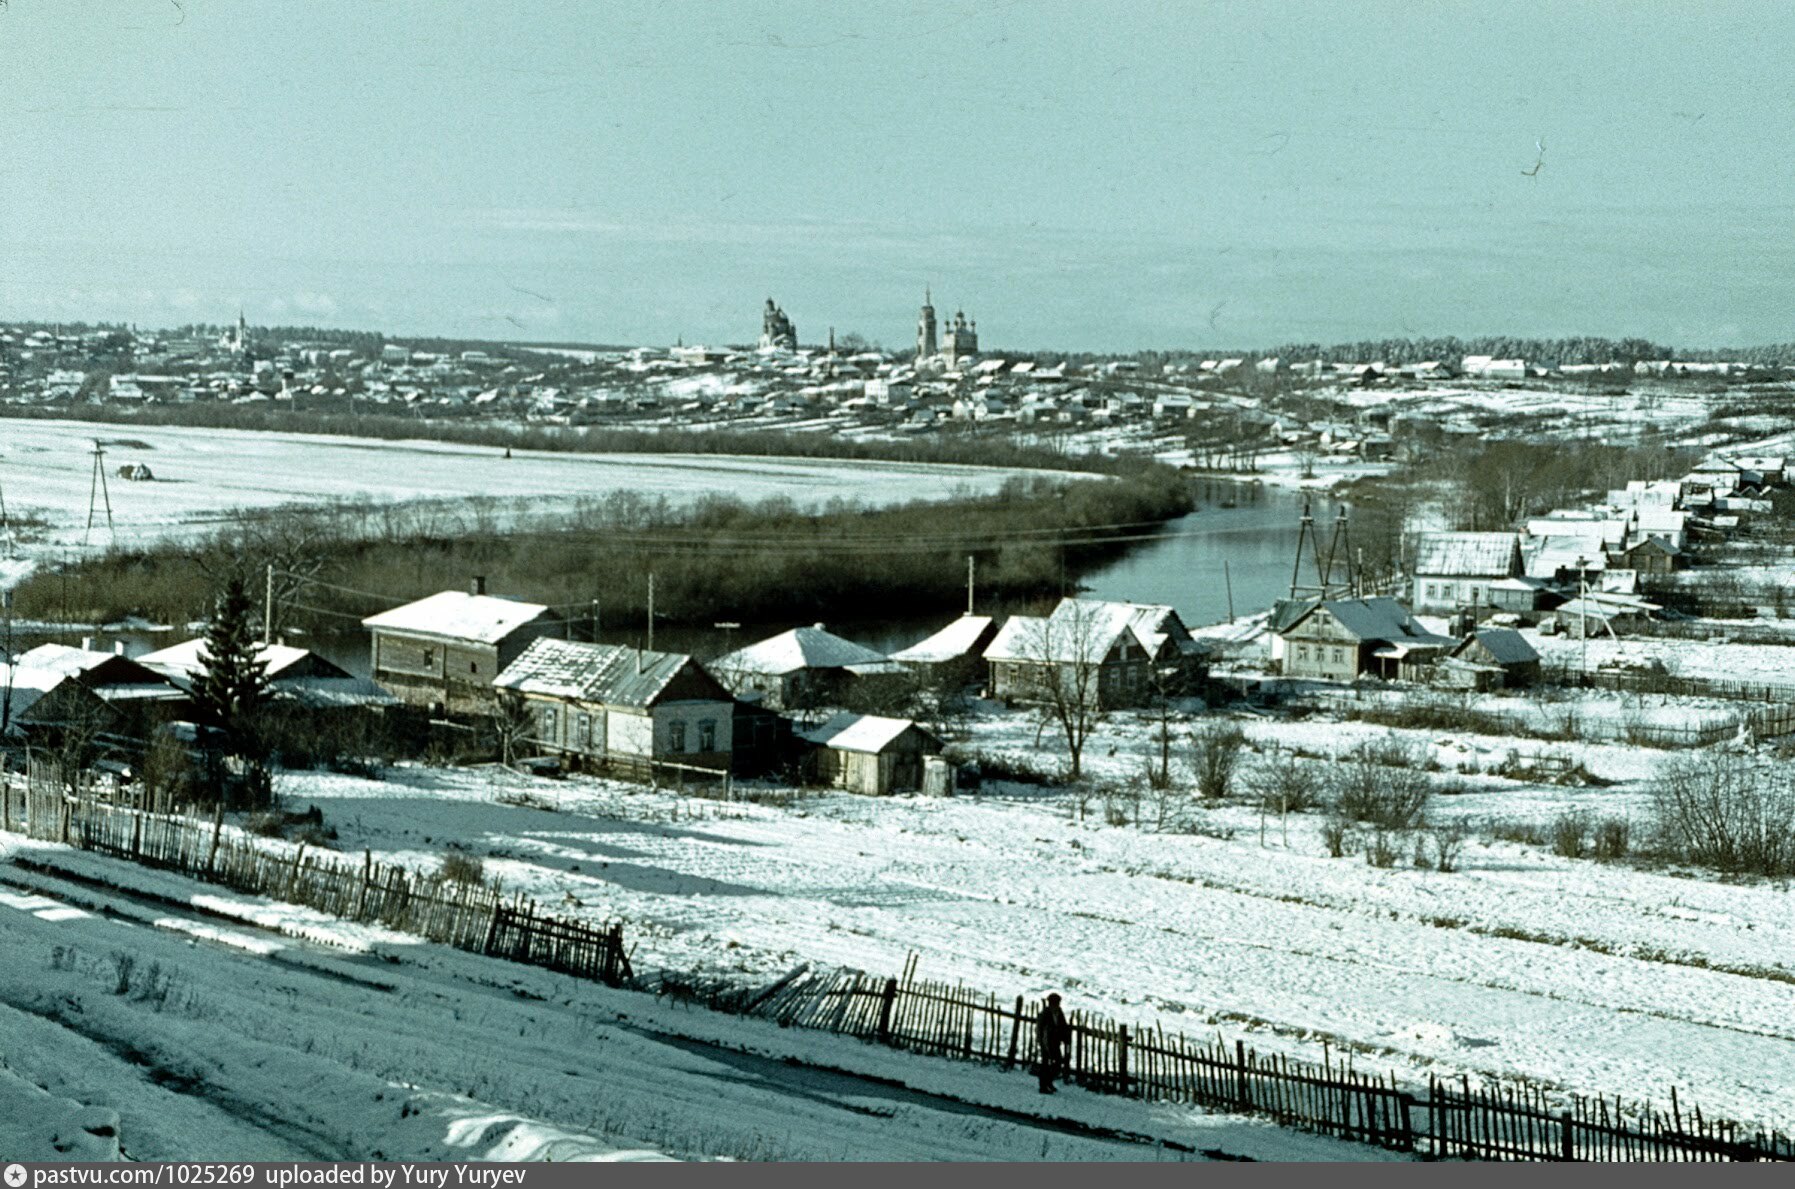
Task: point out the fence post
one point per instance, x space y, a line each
1015 1035
1242 1090
1567 1144
367 875
887 997
137 834
1122 1057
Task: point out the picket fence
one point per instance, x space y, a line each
1497 1122
471 916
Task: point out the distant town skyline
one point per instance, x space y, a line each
1104 178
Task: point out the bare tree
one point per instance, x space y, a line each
1065 654
513 725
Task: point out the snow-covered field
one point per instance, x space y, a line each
1600 978
225 1040
202 475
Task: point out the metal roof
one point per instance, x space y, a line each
613 674
868 733
1491 555
955 640
800 648
458 615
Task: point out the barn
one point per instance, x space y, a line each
865 753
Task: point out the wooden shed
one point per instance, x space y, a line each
864 753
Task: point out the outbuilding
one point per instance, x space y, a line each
866 753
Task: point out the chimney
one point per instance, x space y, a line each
118 648
87 644
478 585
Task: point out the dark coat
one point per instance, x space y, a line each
1052 1032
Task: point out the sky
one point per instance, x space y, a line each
1100 176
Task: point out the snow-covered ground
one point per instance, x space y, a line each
224 1040
1601 978
203 475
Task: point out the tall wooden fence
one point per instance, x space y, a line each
1502 1122
467 915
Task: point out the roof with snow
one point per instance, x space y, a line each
1471 554
188 658
1505 646
1375 619
798 649
868 733
1088 628
952 642
458 615
613 674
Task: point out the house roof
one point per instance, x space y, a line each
1505 646
1090 625
1478 554
800 648
869 733
613 674
186 659
28 684
955 640
458 615
1375 619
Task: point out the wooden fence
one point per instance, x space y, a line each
471 916
1502 1122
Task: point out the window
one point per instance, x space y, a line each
583 731
676 736
1302 652
548 722
707 734
473 666
430 658
1339 655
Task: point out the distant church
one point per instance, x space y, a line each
777 330
959 342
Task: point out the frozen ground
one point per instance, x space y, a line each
1594 977
226 1040
202 475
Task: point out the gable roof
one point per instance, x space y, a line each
800 648
97 668
613 674
187 659
869 733
1373 619
458 615
1472 554
1152 623
1505 646
956 640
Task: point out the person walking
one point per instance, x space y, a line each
1052 1035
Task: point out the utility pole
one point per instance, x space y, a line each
651 611
1228 584
97 490
595 620
1583 611
6 707
268 607
971 572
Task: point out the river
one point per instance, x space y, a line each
1203 561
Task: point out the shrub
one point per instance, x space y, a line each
1283 783
1369 788
1726 812
460 867
1512 830
1383 848
1336 832
1448 844
1613 837
1570 834
1216 749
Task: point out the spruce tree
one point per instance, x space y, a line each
231 688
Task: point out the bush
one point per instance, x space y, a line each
1283 783
1216 749
1448 844
460 867
1726 812
1613 837
1336 832
1511 830
1369 788
1383 848
1570 834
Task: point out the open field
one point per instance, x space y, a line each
203 475
1596 978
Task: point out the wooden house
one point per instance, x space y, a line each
1345 639
1454 570
864 753
800 668
1492 658
141 696
1133 652
608 706
1648 555
442 652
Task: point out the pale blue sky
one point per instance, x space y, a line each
1103 176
